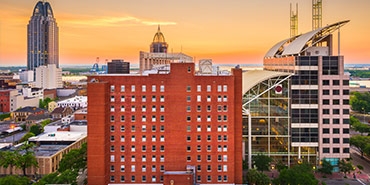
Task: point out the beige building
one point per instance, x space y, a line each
50 150
49 77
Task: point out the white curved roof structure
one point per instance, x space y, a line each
299 44
252 78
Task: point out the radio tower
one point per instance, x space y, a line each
316 14
293 21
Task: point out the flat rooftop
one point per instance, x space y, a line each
48 150
59 136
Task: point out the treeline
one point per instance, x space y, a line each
360 73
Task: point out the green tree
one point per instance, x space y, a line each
26 137
48 179
44 103
345 167
360 142
281 166
359 126
262 162
36 129
359 101
27 158
3 116
255 177
326 167
45 122
296 175
8 159
14 180
74 159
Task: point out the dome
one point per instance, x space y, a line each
43 9
159 37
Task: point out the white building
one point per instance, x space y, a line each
49 77
26 76
78 102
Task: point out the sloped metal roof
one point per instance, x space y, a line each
252 78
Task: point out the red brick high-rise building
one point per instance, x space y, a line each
176 127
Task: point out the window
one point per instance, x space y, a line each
188 88
208 98
209 118
188 118
132 88
336 111
122 88
162 108
225 99
345 140
199 98
162 128
199 158
111 138
208 108
225 88
154 148
199 88
199 138
345 101
143 98
111 98
335 140
208 128
161 98
199 128
335 130
225 128
143 128
112 128
336 150
133 118
336 82
199 148
208 138
111 118
122 108
153 158
208 88
154 108
325 131
161 88
112 168
143 178
112 108
209 158
111 158
219 98
345 82
335 121
188 158
154 88
154 119
219 88
162 138
133 177
122 98
122 138
336 102
199 108
122 158
326 82
345 131
325 140
199 168
209 168
326 150
199 119
325 92
154 98
143 88
325 121
133 128
143 149
345 92
122 168
133 99
345 150
325 102
209 178
122 178
188 128
112 148
336 92
133 139
112 178
326 111
188 99
133 108
122 148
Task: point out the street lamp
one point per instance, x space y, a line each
12 127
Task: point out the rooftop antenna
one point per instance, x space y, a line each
293 21
316 14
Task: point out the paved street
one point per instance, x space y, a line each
9 139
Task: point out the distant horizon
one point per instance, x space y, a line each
221 30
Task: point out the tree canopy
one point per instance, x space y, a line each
360 101
255 177
297 175
326 167
14 180
262 162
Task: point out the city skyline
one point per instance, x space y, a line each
227 32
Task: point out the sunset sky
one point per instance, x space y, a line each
236 31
